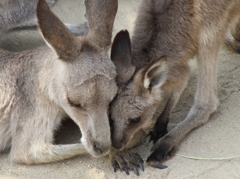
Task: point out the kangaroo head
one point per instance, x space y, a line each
82 79
139 92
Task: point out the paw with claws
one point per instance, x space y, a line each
164 149
126 160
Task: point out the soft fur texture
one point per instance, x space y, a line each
172 31
41 86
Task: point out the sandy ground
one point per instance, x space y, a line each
219 138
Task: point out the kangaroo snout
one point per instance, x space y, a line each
119 142
97 136
97 147
117 145
101 148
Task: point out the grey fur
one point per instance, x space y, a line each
171 32
41 86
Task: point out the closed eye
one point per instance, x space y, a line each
136 120
74 104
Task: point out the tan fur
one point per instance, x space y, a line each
172 31
40 87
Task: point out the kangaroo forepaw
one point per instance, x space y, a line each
162 151
126 160
156 135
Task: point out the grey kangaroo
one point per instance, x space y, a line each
74 77
167 34
15 14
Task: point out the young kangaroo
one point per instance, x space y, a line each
22 13
74 77
167 34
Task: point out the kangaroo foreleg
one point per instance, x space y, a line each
46 153
160 127
205 101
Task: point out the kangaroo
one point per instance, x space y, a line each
167 34
17 14
74 77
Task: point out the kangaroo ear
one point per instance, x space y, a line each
56 34
100 15
155 74
121 56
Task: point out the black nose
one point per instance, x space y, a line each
117 145
97 147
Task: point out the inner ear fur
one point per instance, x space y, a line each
154 75
56 34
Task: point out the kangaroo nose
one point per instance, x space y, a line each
101 148
117 145
97 147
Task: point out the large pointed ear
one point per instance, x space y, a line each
121 56
155 74
56 34
100 15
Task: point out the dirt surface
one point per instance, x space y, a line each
219 138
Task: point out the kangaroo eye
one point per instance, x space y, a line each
136 120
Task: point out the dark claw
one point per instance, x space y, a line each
126 170
141 160
115 166
135 170
127 161
160 166
141 166
156 164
